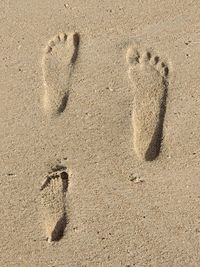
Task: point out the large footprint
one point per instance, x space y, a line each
57 64
149 75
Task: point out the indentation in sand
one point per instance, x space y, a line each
57 64
53 193
150 78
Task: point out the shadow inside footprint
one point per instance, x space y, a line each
63 104
65 180
155 144
58 231
76 40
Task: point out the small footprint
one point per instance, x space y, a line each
53 193
150 78
57 65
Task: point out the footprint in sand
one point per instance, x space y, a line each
150 78
53 193
57 65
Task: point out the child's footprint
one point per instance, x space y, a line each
53 191
149 75
57 64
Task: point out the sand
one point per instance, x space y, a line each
96 168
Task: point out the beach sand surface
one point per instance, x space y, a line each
120 209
